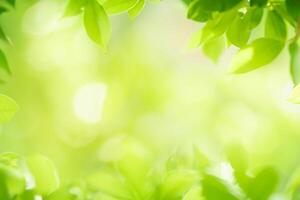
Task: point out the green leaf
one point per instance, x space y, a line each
195 193
118 6
293 8
214 189
214 48
237 157
74 7
254 16
44 174
136 10
235 35
11 2
8 108
108 183
2 35
261 52
294 50
218 5
197 13
275 27
178 182
263 184
217 26
3 62
97 24
259 3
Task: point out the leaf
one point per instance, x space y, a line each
217 26
97 24
218 5
44 174
214 48
259 3
8 108
275 26
178 182
2 35
195 193
74 7
237 157
136 10
261 52
3 62
108 183
118 6
293 8
200 160
294 50
11 2
263 184
214 189
235 35
254 16
197 13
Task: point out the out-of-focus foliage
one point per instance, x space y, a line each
144 121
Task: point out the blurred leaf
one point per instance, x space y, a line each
294 50
136 10
201 161
259 3
214 48
74 7
2 35
295 95
44 174
97 24
275 27
214 189
27 195
8 108
263 184
11 2
293 8
254 16
108 183
218 5
178 182
118 6
3 62
195 193
237 157
261 52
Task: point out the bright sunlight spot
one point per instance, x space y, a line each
88 102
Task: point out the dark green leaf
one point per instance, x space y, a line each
254 16
293 8
218 5
275 27
197 13
259 3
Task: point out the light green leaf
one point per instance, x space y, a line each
97 24
8 108
74 7
275 27
235 35
118 6
109 183
261 52
178 182
214 189
136 10
44 174
195 193
294 50
214 48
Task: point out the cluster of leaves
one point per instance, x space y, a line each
96 15
130 173
235 20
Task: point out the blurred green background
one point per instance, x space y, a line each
76 101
